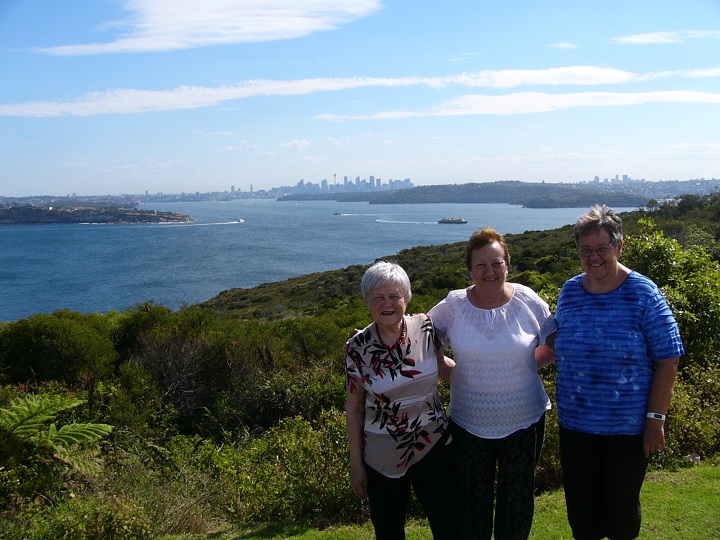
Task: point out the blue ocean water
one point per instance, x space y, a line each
243 243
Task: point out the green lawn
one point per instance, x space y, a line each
680 505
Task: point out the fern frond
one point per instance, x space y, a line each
28 415
86 460
72 434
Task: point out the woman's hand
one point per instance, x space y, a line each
355 420
659 401
653 436
358 480
445 367
544 356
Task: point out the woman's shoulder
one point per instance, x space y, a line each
636 278
456 295
574 281
528 297
416 318
524 292
417 321
638 284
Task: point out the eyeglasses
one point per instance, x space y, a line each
585 252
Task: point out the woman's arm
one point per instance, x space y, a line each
545 354
445 367
659 402
355 425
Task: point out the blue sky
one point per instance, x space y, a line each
128 96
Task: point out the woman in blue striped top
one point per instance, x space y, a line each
617 349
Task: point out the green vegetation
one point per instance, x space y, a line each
679 504
229 413
529 194
25 214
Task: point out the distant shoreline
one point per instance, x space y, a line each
34 215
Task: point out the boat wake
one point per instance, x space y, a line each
406 222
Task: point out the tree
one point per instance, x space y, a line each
64 346
690 280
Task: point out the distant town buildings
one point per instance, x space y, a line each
358 185
655 189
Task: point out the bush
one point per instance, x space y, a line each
694 417
178 487
297 473
86 517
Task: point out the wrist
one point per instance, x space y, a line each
656 416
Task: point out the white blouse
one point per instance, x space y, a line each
495 389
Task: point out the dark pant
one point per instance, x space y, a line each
431 479
514 458
602 477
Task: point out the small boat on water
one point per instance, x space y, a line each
453 220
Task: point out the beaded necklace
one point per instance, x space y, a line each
403 332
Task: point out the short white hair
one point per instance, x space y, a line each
385 273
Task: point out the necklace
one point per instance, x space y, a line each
403 331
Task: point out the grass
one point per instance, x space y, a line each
683 504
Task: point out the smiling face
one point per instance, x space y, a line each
387 305
488 268
598 257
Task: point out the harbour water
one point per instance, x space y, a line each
243 243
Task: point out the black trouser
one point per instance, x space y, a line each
602 478
431 479
514 458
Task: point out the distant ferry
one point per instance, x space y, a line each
455 220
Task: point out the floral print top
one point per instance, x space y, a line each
404 417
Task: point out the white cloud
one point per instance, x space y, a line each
218 133
167 25
653 38
562 45
537 102
298 143
128 101
510 78
463 58
701 73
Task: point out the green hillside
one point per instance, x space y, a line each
152 422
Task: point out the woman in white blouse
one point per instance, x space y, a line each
497 399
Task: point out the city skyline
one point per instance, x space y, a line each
146 95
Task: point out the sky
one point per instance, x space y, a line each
104 97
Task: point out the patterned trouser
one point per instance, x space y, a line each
513 459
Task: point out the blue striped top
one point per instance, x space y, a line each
605 350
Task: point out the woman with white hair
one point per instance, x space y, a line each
396 422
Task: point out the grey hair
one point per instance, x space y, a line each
600 217
385 273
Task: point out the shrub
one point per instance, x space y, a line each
86 517
694 417
297 473
37 456
182 487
